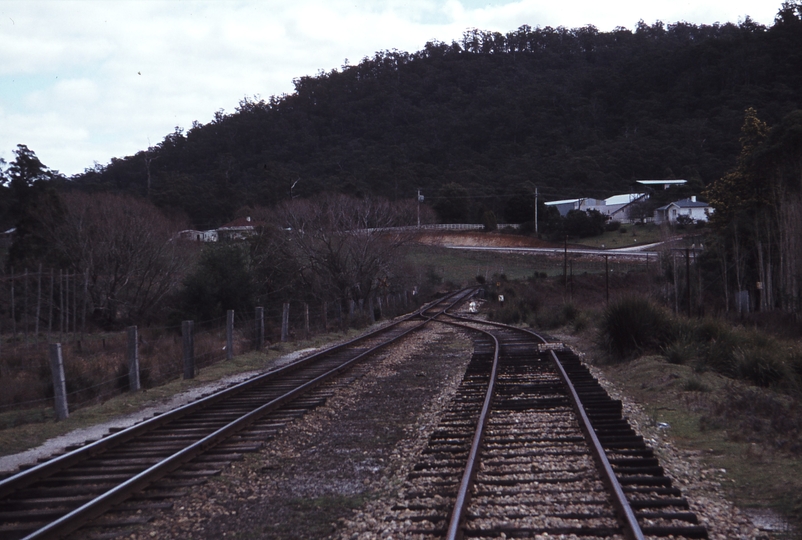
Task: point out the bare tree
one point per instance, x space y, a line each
341 246
127 248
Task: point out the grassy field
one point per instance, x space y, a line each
461 266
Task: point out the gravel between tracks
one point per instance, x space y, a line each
338 472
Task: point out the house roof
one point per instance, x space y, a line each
661 182
623 199
564 201
243 223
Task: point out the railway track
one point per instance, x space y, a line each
143 466
533 446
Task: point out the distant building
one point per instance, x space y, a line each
565 205
665 184
614 208
198 236
691 208
7 237
239 229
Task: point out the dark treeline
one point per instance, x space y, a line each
477 124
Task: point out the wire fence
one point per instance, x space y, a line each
44 304
96 365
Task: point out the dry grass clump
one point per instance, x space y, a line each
96 369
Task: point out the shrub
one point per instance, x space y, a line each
760 366
681 351
633 326
695 385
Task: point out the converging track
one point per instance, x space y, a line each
532 445
140 466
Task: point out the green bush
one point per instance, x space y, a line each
695 385
550 318
681 351
633 326
760 366
581 322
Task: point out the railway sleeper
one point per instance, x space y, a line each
45 502
654 490
514 532
34 514
638 471
658 503
676 532
689 517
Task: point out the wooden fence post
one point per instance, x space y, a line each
13 309
75 307
230 334
187 328
259 331
25 306
86 294
285 322
61 304
59 382
133 359
38 300
306 321
50 306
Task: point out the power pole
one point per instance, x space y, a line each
420 200
535 209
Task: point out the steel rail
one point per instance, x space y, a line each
43 470
73 520
464 493
632 529
96 507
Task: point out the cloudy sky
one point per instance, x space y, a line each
84 81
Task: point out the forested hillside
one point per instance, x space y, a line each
478 124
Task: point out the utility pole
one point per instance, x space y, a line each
420 200
536 210
688 277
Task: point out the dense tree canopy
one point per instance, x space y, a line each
575 112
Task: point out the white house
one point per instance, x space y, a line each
238 229
691 208
198 236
